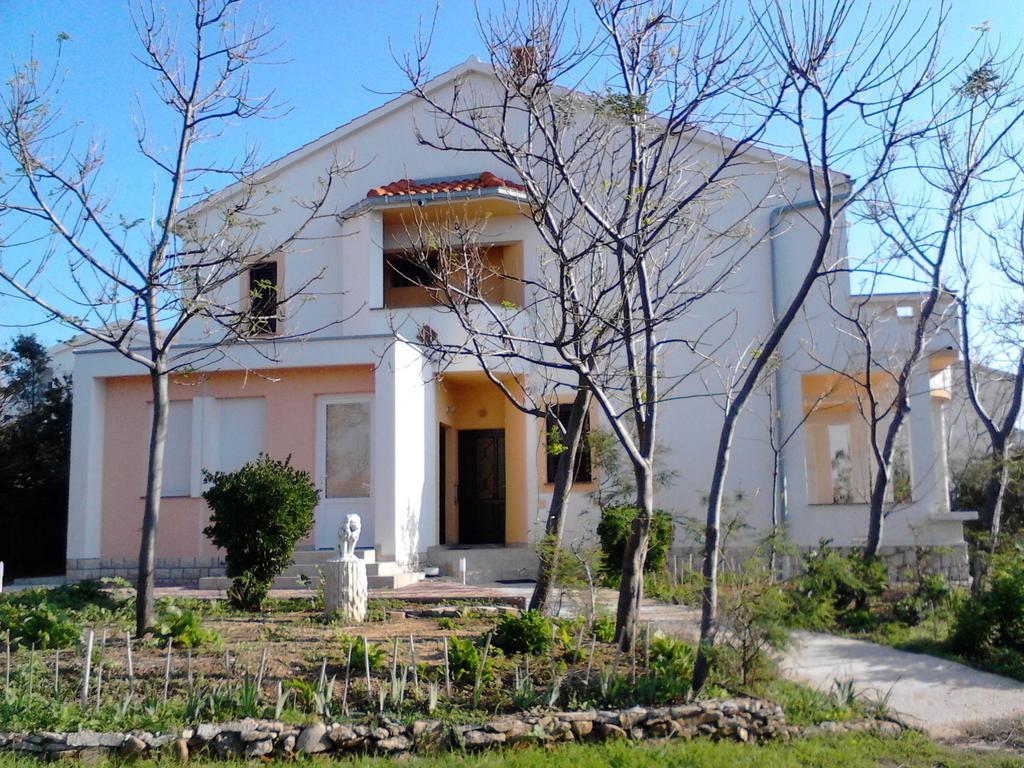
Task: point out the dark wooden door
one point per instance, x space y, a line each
482 486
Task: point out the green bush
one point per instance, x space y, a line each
259 513
994 620
835 587
530 632
614 531
183 627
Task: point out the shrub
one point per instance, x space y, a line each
756 610
833 586
183 627
671 657
614 531
259 513
993 620
530 632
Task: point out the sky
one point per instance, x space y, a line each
334 62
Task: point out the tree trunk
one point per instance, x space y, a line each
709 598
631 590
564 477
991 516
154 488
876 512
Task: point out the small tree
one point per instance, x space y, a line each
259 513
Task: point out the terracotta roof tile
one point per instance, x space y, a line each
403 187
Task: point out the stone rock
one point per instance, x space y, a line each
288 743
582 728
258 748
345 591
313 739
132 745
610 732
341 734
630 717
477 739
179 750
393 744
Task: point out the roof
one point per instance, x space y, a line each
412 187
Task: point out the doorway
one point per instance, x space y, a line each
481 481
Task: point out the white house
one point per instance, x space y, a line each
436 460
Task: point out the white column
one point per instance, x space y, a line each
404 472
85 502
383 469
926 472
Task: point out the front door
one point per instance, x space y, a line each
482 486
343 455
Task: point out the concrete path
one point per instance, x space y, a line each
942 698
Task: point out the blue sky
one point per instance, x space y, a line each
334 64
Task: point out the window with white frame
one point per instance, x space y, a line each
240 431
178 450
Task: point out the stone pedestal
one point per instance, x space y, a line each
345 590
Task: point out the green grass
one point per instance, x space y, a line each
849 751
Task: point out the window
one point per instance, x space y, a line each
560 415
240 429
178 450
405 272
842 466
263 299
347 460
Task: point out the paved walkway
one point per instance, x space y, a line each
942 698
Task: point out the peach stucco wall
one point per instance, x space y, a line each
290 429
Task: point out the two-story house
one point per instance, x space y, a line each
438 464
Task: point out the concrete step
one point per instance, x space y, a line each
391 581
319 556
313 570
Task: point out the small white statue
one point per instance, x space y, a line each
348 535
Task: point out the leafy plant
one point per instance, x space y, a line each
377 655
183 627
614 531
604 628
259 513
40 625
464 658
529 632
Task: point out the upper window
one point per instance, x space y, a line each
490 272
559 415
263 303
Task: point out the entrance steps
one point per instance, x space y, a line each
305 572
486 564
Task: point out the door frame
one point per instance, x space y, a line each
500 535
361 505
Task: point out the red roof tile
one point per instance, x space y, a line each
403 187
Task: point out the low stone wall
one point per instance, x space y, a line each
741 719
168 570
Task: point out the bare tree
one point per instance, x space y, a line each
92 266
853 79
964 166
992 236
622 176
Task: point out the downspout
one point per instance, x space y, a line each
774 218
